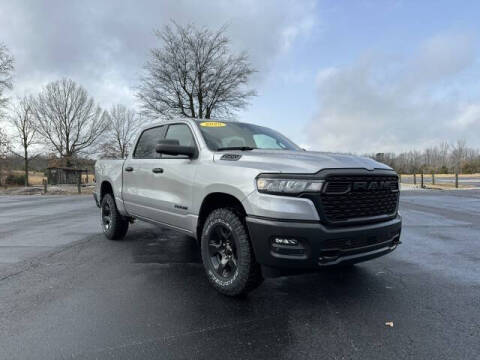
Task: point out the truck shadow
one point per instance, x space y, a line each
162 246
155 245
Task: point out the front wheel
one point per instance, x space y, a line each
227 254
114 225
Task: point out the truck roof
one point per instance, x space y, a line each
185 120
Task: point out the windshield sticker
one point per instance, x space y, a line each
212 124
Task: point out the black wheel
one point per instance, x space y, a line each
114 225
227 254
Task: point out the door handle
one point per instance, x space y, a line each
158 170
129 168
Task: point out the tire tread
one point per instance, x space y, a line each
250 276
119 226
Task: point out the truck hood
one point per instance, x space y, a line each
307 162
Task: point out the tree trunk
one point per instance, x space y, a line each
200 97
192 105
26 167
68 160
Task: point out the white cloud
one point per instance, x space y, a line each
468 115
305 24
385 103
103 44
442 56
324 74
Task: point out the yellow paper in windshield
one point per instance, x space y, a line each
212 124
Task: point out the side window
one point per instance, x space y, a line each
182 133
149 139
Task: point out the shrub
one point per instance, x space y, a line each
13 179
443 170
471 167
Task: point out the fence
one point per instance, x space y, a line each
79 181
432 180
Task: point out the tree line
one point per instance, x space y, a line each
444 158
193 74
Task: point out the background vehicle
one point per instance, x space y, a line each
254 200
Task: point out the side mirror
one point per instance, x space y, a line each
173 147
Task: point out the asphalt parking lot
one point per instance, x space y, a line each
66 292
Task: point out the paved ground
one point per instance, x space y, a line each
31 225
72 294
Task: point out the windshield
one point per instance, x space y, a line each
242 136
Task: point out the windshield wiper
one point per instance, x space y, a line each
242 148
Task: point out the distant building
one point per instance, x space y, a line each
64 175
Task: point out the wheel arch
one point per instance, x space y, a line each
214 201
106 188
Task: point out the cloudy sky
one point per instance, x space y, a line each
352 76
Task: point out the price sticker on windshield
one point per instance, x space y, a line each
212 124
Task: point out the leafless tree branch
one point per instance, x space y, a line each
7 65
4 144
68 119
194 74
23 120
443 158
123 124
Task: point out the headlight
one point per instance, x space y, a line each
288 186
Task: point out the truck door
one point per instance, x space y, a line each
139 182
159 187
178 174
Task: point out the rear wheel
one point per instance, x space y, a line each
227 254
114 225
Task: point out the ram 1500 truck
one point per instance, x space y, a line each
253 200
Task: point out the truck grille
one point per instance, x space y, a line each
348 198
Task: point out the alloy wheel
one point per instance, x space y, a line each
106 216
222 251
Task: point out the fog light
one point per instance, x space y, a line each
284 241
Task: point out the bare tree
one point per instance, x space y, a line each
4 144
438 159
194 74
68 119
4 149
123 125
459 155
22 118
443 153
6 70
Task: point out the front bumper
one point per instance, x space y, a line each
318 245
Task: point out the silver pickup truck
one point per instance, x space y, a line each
255 202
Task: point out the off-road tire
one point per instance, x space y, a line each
118 225
247 275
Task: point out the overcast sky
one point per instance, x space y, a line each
353 76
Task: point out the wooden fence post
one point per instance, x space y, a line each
79 183
422 184
414 179
456 180
433 178
400 178
45 182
